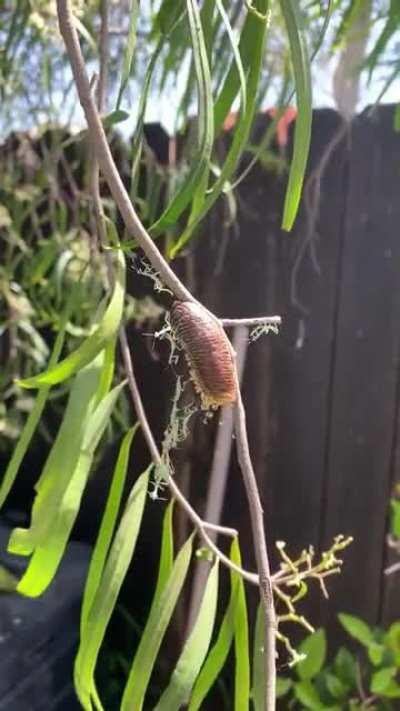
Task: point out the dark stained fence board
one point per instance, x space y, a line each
390 585
364 380
302 366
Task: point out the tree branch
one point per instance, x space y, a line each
137 230
156 457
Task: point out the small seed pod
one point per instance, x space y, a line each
208 352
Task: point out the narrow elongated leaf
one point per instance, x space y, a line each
194 651
48 554
157 622
107 371
174 19
61 461
217 656
30 425
200 163
251 35
167 553
258 690
129 50
106 595
248 93
302 133
242 659
88 350
107 526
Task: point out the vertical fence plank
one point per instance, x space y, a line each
365 368
302 369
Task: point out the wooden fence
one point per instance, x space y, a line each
323 396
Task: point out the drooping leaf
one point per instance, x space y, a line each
250 39
92 345
258 690
30 425
395 518
61 461
248 95
200 163
157 622
107 526
242 657
194 651
129 50
106 595
218 654
302 133
166 554
49 551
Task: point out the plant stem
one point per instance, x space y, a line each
155 455
260 546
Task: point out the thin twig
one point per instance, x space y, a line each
260 547
155 455
255 321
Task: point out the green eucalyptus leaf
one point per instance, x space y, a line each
157 622
242 656
107 592
194 651
166 554
88 350
129 50
31 424
233 624
200 163
302 133
61 461
395 518
48 553
107 527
